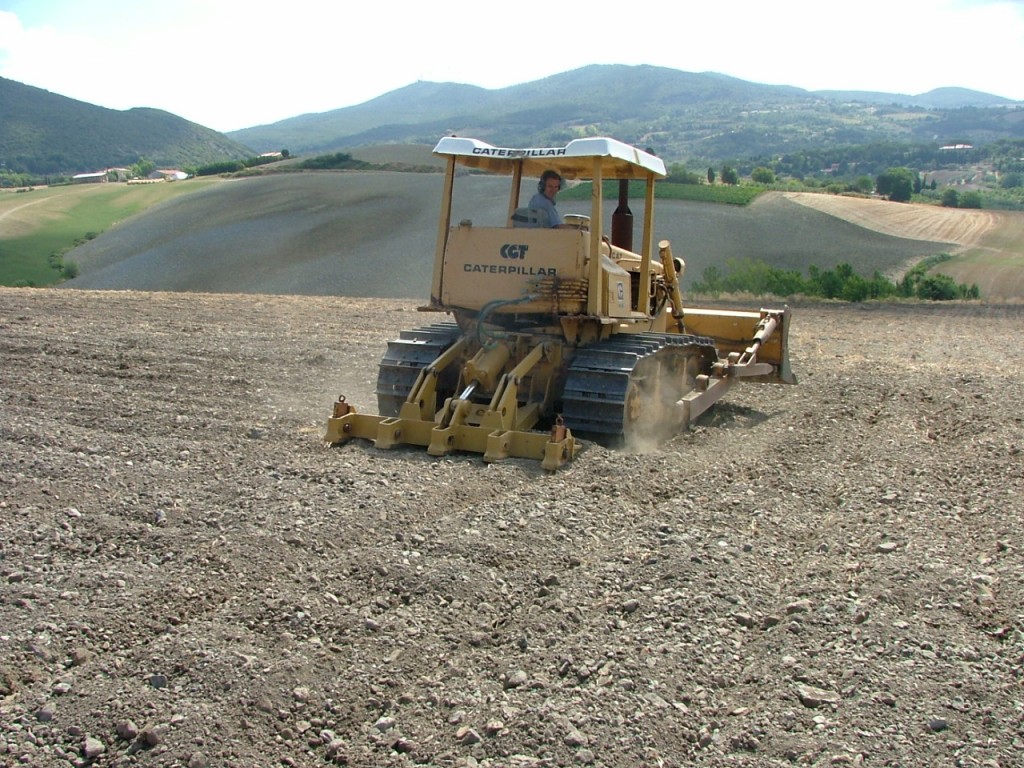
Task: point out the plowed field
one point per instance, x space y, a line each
826 574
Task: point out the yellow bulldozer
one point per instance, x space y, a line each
556 333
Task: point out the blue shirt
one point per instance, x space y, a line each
542 201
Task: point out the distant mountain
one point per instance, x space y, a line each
938 98
597 95
683 116
697 118
44 133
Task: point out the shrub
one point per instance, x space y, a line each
862 184
678 174
711 283
970 200
937 288
842 282
214 169
1012 180
338 160
897 184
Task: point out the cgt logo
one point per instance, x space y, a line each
514 251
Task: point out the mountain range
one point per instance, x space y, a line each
696 118
683 116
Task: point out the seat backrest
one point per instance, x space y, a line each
530 217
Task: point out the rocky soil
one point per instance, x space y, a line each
826 574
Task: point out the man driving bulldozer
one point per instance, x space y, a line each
550 184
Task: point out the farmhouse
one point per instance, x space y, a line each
168 175
100 177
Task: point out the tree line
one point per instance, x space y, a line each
841 282
847 161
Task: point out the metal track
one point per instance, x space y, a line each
405 357
628 386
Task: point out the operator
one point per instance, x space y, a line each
549 185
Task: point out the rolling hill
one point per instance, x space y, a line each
372 235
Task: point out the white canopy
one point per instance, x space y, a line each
573 161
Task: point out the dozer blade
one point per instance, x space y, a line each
755 344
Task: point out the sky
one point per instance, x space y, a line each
231 64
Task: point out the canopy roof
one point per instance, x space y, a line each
573 161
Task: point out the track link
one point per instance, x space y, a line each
627 387
413 350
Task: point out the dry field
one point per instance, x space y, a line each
824 575
990 244
918 222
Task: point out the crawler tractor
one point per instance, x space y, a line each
558 332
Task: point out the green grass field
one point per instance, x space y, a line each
37 227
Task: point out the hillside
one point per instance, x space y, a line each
989 244
964 227
697 118
373 234
43 133
819 575
938 98
684 116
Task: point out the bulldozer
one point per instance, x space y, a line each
558 334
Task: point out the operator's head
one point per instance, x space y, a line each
550 183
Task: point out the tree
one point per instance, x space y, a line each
730 175
1011 180
143 168
950 198
826 284
678 174
863 184
712 282
970 199
855 288
762 175
937 288
896 183
711 175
